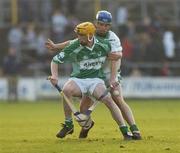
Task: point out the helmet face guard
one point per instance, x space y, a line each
104 17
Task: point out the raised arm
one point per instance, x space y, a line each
55 47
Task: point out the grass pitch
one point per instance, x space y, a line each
31 128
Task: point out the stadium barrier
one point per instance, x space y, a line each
31 89
3 89
149 87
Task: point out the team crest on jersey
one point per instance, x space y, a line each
85 57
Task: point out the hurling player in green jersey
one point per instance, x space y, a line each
103 25
87 54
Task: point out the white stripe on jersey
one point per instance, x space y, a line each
115 47
115 42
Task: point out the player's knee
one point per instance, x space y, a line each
67 91
118 98
115 93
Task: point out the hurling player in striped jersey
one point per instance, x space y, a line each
87 54
112 66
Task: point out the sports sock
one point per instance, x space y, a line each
124 129
69 122
134 128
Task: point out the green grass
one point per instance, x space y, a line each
31 128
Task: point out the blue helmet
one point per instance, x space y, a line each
104 16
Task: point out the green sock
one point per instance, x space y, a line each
133 128
123 129
69 123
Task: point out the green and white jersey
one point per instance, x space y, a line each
113 40
115 47
87 62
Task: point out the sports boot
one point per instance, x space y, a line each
136 135
128 136
135 131
84 131
65 131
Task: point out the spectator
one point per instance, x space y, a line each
72 22
169 45
30 39
11 69
154 54
15 37
127 54
122 15
135 72
42 52
46 11
59 23
71 6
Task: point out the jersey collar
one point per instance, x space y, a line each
94 42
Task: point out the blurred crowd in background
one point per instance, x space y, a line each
149 34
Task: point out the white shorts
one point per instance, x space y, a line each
88 85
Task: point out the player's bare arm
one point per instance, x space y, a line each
113 73
54 73
50 45
114 56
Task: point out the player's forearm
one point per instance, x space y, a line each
50 45
54 70
115 55
113 70
62 45
115 66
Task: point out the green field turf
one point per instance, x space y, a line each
31 128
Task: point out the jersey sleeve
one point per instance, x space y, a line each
72 41
67 54
115 43
59 58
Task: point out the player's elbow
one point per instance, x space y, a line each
115 55
119 55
